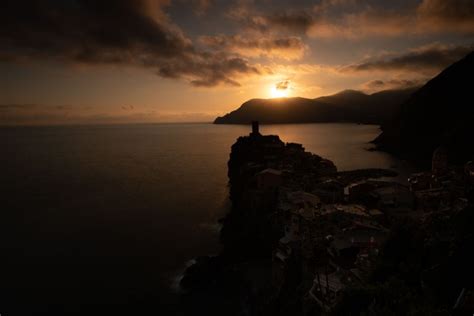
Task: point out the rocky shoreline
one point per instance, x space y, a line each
304 239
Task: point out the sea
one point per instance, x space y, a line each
94 217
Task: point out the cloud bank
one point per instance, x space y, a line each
360 19
141 33
124 32
379 85
286 48
427 59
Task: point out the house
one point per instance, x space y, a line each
304 199
393 196
330 191
351 212
422 181
269 179
327 287
358 240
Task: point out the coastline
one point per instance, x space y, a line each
280 241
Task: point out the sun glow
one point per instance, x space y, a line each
278 93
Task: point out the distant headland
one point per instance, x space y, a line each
345 106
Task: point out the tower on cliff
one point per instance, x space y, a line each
255 129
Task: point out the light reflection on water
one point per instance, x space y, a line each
143 199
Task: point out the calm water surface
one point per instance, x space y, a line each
121 209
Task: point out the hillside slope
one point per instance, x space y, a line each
345 106
439 113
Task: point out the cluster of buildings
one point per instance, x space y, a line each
331 225
332 245
443 187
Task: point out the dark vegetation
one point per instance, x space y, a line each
439 113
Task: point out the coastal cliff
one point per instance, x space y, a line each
302 238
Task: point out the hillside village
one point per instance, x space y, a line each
304 234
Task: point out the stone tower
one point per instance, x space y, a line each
255 129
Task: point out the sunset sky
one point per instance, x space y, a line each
119 61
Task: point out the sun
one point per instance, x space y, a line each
278 93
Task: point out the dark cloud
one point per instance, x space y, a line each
283 47
426 59
359 18
282 85
298 22
281 19
457 15
89 31
356 19
130 32
212 69
378 85
201 6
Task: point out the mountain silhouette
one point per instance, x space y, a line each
441 113
345 106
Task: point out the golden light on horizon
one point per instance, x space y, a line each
275 92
